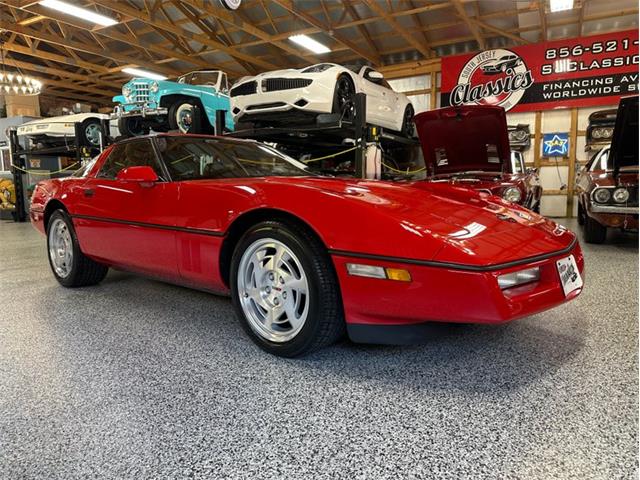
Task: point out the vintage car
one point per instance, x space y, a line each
483 161
501 64
377 259
519 136
164 105
600 129
607 187
54 131
299 95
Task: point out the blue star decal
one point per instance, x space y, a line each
556 145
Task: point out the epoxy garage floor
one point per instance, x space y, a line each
139 379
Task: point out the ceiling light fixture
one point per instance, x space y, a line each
137 72
309 43
16 83
560 5
83 13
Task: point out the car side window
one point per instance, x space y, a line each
129 154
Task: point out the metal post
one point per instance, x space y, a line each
17 158
360 124
196 122
220 121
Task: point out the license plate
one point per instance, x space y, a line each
569 274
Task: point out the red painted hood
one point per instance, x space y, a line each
465 138
423 220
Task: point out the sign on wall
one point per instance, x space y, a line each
578 72
555 145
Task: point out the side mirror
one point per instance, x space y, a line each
375 75
139 174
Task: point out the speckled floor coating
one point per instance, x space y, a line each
139 379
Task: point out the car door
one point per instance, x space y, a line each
129 224
378 107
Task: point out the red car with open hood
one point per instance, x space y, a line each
304 257
607 187
468 146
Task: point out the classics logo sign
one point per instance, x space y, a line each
493 77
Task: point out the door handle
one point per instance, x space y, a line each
88 192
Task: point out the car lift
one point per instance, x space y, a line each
332 133
20 159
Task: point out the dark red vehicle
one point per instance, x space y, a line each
469 146
607 187
304 257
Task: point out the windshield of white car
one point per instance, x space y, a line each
196 158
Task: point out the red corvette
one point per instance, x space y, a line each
304 257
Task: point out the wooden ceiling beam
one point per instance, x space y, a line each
187 34
399 29
311 20
475 31
85 47
543 20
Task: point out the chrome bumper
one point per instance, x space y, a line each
141 109
614 209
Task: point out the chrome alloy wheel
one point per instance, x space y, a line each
273 290
92 134
60 248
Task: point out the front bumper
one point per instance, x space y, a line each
137 109
392 312
614 216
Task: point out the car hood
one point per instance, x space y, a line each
624 145
76 117
465 138
419 220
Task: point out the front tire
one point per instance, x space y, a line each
181 117
68 264
344 98
285 291
132 127
580 214
593 231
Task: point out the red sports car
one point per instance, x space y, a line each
469 146
304 257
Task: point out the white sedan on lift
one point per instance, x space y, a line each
296 95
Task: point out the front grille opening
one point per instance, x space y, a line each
275 84
301 103
266 105
247 88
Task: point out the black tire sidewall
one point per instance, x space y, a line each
405 123
85 140
173 121
305 337
69 280
336 102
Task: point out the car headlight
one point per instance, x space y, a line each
607 132
512 194
620 195
153 87
126 91
319 68
518 135
602 195
521 277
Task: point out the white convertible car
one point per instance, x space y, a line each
59 130
290 96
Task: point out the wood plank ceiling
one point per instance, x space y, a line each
78 60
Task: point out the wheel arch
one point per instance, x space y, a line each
52 206
168 100
247 220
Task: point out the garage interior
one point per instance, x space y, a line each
137 378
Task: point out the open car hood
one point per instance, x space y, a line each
463 139
624 145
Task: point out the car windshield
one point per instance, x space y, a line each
202 78
601 161
517 162
195 158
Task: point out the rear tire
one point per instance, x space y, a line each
69 265
593 231
285 290
91 133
